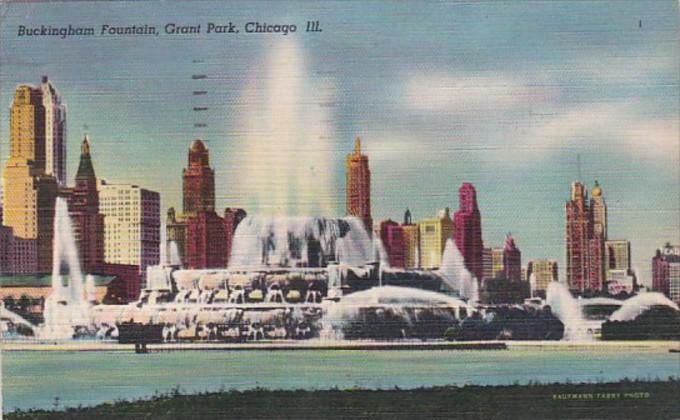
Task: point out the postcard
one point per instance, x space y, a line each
312 209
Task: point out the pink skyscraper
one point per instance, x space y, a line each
468 230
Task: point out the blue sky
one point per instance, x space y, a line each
501 94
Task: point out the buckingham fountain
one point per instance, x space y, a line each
311 278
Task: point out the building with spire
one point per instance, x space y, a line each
358 186
468 230
83 203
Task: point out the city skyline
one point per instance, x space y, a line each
418 160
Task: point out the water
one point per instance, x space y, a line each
90 378
289 158
284 241
455 275
634 306
568 310
67 305
397 300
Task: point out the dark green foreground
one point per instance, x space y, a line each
623 400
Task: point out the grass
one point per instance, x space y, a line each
622 400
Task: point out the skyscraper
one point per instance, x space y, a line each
578 232
358 186
199 181
468 230
433 236
586 233
512 261
37 124
88 223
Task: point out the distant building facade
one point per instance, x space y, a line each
131 225
411 241
206 245
512 261
433 236
492 262
616 256
665 270
674 282
126 283
17 255
392 237
544 272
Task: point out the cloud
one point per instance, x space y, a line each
441 92
621 126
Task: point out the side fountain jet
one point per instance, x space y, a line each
66 308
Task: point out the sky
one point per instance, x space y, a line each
502 94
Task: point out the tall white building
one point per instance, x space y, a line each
132 225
